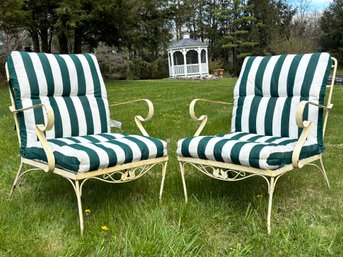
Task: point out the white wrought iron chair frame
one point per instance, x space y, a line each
220 170
122 173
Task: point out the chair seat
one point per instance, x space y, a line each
92 152
248 149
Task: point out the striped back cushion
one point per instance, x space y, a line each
71 84
270 88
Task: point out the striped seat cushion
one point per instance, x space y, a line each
248 149
91 152
270 88
70 83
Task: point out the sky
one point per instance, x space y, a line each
315 5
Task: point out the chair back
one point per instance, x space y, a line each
269 89
70 83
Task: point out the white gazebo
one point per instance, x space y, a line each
188 58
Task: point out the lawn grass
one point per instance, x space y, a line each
221 218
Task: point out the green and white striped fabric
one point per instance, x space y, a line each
80 139
92 152
269 89
248 149
266 97
71 84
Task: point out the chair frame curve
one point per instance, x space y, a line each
121 173
233 172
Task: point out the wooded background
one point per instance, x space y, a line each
130 37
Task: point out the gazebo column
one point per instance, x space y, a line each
184 52
199 61
172 63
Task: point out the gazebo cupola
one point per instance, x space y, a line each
188 58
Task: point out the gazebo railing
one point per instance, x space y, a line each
191 69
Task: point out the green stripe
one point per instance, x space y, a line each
91 139
159 146
259 76
47 73
276 76
127 150
218 150
202 147
185 147
112 156
253 114
111 136
142 147
72 115
268 122
244 79
65 75
286 111
239 109
97 94
34 87
16 93
234 154
321 101
58 125
254 155
80 75
292 73
94 160
88 114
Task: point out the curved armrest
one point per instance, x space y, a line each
41 128
202 118
306 125
139 118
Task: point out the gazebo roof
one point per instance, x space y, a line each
186 42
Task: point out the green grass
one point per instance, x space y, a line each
221 219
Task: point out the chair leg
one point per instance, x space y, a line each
164 169
19 174
324 172
79 204
271 187
182 171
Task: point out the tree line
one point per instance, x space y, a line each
131 36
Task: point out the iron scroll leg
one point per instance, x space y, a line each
182 171
164 170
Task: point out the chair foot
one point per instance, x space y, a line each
322 169
271 187
79 204
19 174
182 171
164 169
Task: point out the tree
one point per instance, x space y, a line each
331 23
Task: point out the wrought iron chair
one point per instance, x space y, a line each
278 122
63 123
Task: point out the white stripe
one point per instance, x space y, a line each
250 87
226 153
244 153
246 112
102 154
41 79
66 122
82 156
209 149
81 118
193 146
282 87
300 75
136 152
88 74
95 113
151 146
293 128
238 83
261 115
56 74
279 105
267 75
73 76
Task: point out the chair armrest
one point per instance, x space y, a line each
306 125
202 118
138 118
41 128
